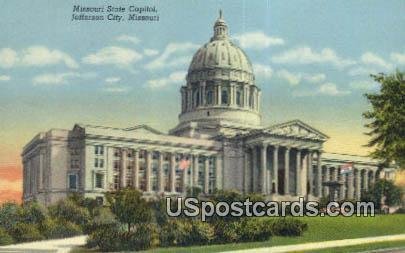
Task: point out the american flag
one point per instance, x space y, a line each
346 168
184 164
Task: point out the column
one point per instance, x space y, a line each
275 169
263 168
254 169
203 85
219 93
343 186
195 171
172 172
365 180
245 96
189 99
327 178
287 171
148 171
135 175
161 181
319 175
245 171
310 173
206 175
232 94
184 180
218 172
259 94
123 171
298 173
358 184
350 188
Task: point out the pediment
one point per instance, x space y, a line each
298 129
144 129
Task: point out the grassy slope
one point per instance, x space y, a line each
319 229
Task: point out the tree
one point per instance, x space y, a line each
387 117
386 189
129 207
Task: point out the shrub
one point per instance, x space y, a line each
255 229
144 237
176 232
102 217
106 238
227 231
34 213
23 232
5 238
288 227
69 211
10 215
53 228
202 233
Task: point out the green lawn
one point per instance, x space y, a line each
319 229
361 248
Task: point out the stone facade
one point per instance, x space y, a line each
219 143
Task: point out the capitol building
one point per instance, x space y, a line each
219 136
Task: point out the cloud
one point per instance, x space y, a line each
35 56
364 85
150 52
59 78
168 59
296 78
261 70
257 40
4 78
398 58
291 78
361 71
116 89
113 79
326 89
369 58
305 55
331 90
128 38
118 56
8 57
173 78
315 78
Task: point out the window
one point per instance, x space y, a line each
99 180
98 163
116 182
117 152
238 97
224 97
209 97
72 181
99 150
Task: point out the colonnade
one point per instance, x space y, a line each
184 170
204 93
295 171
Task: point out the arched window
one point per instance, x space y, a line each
224 97
238 98
209 97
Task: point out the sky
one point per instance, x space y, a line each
312 60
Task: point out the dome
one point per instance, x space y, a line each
220 96
220 53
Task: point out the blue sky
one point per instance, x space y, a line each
312 60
